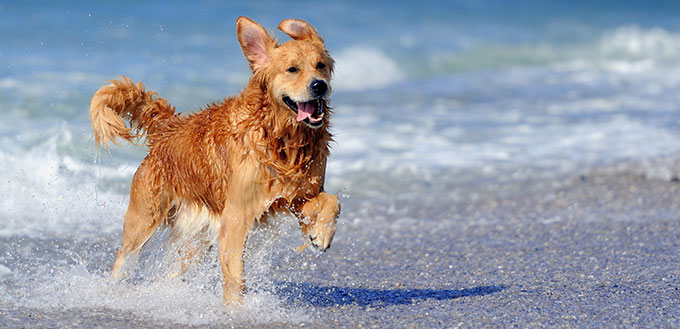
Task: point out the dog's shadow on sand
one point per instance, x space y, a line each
327 296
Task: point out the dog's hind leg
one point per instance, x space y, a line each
147 209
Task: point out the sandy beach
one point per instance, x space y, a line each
598 248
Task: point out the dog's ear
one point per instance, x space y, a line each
255 42
299 30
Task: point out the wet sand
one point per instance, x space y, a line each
598 248
594 248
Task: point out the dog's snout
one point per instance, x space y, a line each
319 87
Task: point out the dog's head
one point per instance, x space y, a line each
297 72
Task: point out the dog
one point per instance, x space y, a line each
212 174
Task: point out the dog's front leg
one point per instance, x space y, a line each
318 216
231 242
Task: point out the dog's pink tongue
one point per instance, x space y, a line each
305 110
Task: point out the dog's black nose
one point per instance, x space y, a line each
319 88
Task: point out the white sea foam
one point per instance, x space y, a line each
196 299
7 83
547 141
365 68
43 190
4 271
173 300
622 49
634 42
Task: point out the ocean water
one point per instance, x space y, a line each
434 103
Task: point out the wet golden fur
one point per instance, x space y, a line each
212 174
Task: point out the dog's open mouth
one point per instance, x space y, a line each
310 112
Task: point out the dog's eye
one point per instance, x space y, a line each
292 69
320 66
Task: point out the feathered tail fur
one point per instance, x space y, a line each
121 101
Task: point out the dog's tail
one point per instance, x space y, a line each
124 100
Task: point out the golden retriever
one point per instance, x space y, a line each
213 174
